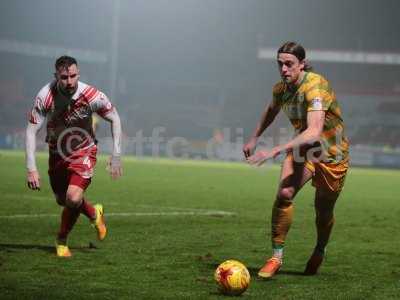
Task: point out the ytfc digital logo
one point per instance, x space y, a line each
225 144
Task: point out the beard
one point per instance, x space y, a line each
68 90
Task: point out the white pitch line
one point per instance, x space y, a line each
134 214
27 197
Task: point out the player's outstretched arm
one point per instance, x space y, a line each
267 117
32 176
315 124
114 163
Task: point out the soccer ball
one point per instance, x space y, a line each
232 277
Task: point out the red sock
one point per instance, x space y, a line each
69 216
87 209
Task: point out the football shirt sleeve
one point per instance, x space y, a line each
101 104
38 111
318 97
277 92
36 119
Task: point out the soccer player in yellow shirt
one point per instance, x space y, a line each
319 151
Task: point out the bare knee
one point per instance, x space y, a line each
284 198
285 194
73 199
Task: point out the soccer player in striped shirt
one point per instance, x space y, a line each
66 105
318 151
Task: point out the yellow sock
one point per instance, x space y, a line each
282 216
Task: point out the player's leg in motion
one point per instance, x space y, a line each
69 216
59 181
324 220
293 177
76 200
74 203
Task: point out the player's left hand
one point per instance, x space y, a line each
33 180
114 166
262 156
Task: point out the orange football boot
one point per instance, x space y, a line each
62 249
99 223
270 268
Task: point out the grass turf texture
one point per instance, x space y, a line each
174 255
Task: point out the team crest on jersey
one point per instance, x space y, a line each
77 112
316 104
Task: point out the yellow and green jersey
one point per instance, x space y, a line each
313 94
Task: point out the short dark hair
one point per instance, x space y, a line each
64 62
297 50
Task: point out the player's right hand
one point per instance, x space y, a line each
249 148
33 180
114 166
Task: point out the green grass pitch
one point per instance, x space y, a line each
172 222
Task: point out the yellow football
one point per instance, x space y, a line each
232 277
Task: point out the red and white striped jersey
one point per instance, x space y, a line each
69 119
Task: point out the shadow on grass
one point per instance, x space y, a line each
48 249
15 247
254 270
